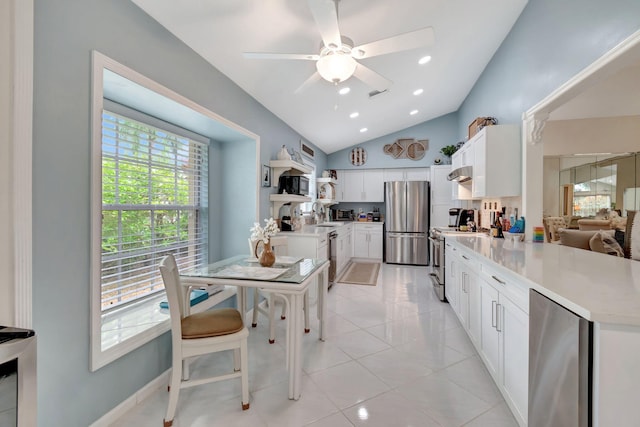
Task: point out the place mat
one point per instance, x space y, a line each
361 273
280 259
244 272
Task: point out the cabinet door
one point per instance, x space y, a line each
373 185
475 321
393 175
451 280
339 186
463 297
479 182
440 186
514 327
375 244
361 243
490 340
352 186
416 174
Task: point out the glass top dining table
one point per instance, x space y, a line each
289 277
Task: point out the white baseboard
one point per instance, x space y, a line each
116 413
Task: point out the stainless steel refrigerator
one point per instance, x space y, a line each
407 222
560 358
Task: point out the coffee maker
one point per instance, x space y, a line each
454 214
466 216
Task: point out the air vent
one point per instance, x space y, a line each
376 93
307 150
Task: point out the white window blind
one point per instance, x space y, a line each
154 202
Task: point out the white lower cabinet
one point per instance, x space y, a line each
451 275
344 248
493 309
505 340
367 242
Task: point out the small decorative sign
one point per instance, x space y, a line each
407 148
358 156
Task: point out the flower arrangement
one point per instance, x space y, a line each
265 234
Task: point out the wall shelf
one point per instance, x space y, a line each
278 200
281 166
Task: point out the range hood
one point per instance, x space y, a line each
462 174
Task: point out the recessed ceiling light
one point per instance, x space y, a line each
363 130
424 60
413 112
418 92
344 90
354 114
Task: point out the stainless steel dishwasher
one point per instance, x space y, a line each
560 364
332 250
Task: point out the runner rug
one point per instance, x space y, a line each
361 273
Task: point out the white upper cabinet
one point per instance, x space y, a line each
406 174
497 162
361 185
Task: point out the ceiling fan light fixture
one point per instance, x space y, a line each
336 67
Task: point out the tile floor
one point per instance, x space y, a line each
394 356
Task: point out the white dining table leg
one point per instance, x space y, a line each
323 292
296 323
241 298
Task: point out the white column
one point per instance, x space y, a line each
532 171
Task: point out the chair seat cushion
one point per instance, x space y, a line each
212 323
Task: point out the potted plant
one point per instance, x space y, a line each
448 150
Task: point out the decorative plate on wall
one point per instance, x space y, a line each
358 156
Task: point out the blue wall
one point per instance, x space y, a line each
440 132
550 43
66 31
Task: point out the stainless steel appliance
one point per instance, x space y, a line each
343 214
436 242
560 358
407 222
293 184
17 377
454 214
437 239
465 216
332 252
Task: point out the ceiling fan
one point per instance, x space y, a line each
337 60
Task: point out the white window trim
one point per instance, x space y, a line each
210 123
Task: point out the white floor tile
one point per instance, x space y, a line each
335 420
349 384
445 401
498 416
394 356
389 409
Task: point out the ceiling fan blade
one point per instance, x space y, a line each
406 41
258 55
371 78
325 13
311 80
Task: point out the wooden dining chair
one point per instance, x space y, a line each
279 246
198 334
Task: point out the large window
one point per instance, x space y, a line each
154 201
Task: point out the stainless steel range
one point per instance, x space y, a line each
437 248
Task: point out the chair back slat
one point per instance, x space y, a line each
175 296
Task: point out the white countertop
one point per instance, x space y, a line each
596 286
312 230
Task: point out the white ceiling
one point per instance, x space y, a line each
467 35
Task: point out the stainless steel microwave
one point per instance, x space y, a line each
295 184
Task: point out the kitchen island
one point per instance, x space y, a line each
494 280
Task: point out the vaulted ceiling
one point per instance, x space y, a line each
467 34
